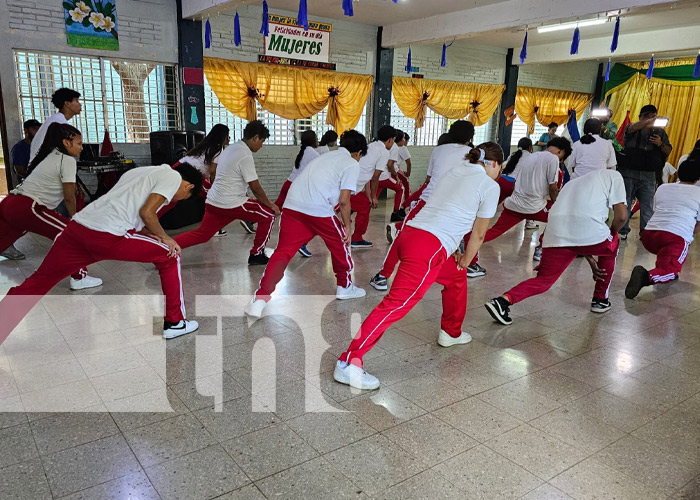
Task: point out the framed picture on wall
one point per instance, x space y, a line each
92 24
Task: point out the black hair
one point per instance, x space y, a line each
212 144
649 108
256 127
55 135
31 123
191 175
354 142
386 132
561 143
524 144
552 125
590 129
328 137
309 139
63 95
689 171
492 152
444 139
695 153
399 135
461 132
406 137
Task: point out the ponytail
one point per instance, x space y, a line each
55 135
591 128
587 139
308 140
524 144
485 151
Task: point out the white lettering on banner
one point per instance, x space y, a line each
286 39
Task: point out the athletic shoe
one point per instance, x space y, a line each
361 244
304 252
183 327
396 217
255 308
258 260
538 254
221 232
402 212
391 232
623 236
600 306
379 282
86 282
249 227
351 292
638 280
447 340
354 376
12 253
499 308
531 224
475 271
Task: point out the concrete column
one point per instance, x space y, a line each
381 103
507 100
191 59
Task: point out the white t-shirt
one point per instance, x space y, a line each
117 212
321 150
394 156
578 218
514 173
199 163
45 184
536 173
377 155
463 193
586 158
676 210
442 159
682 159
41 133
317 189
668 171
309 155
404 155
234 170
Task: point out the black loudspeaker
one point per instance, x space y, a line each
167 145
193 138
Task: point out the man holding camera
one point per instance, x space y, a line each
646 149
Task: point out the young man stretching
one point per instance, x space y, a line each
67 101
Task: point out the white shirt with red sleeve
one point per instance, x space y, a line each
117 212
676 210
316 190
463 193
309 155
234 170
442 160
377 154
45 184
536 173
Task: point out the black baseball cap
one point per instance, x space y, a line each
32 123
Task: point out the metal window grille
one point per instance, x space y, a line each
520 129
130 98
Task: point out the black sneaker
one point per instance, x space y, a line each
379 282
638 280
361 244
249 227
623 236
499 308
600 306
396 217
475 271
402 213
258 260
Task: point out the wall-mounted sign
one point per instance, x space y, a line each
288 40
286 61
416 75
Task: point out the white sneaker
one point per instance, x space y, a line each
447 340
86 282
184 327
351 292
255 308
354 376
391 232
531 224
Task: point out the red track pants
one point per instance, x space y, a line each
78 246
359 203
671 251
401 176
506 186
283 193
415 197
423 262
392 256
554 262
396 187
297 229
216 218
20 214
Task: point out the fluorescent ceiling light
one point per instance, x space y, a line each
571 25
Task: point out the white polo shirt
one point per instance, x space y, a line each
442 159
586 158
45 184
199 163
676 210
117 212
234 170
41 133
404 154
377 155
384 168
309 155
536 173
316 190
579 216
322 150
463 193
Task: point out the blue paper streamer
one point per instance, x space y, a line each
575 41
207 35
237 30
523 51
265 27
696 71
607 72
443 61
408 62
650 71
616 36
347 8
303 16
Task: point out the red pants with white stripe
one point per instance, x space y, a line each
392 256
216 218
297 229
415 196
671 251
396 187
401 176
20 214
359 203
78 246
554 262
423 262
283 193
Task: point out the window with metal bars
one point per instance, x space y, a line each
129 98
520 129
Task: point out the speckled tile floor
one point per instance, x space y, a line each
563 404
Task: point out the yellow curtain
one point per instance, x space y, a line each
453 100
548 106
679 101
289 92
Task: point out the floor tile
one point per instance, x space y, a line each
62 398
675 432
250 492
67 430
24 481
429 392
42 377
383 409
293 399
428 485
209 391
577 430
132 486
613 410
328 431
546 492
17 445
477 419
521 402
235 418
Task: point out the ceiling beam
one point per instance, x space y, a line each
199 8
503 15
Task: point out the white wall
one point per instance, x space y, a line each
575 76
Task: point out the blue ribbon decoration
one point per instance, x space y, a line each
303 16
523 51
575 41
237 30
616 35
265 27
207 34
